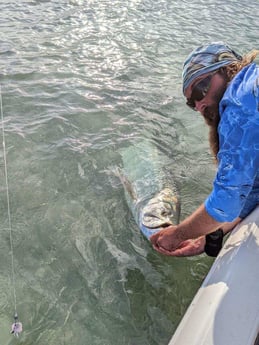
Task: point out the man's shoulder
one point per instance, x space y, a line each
243 91
245 78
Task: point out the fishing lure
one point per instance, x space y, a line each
16 326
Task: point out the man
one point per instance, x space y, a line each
224 88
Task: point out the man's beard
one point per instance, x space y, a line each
211 116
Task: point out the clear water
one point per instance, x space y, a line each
82 80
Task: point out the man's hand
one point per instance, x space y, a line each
190 247
186 248
166 239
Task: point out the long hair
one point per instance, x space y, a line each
229 71
232 69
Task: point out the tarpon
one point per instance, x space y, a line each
150 192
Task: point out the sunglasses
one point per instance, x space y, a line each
199 91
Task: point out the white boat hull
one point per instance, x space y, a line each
225 310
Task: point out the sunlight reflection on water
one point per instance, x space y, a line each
81 81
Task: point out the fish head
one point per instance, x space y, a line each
162 210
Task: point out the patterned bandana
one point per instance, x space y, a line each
205 59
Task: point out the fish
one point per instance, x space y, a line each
150 190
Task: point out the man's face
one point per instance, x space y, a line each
208 102
215 85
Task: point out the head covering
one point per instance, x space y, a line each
205 59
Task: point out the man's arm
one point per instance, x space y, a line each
197 225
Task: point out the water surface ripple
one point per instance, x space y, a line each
82 80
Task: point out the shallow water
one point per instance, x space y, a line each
80 81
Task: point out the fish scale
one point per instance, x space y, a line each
150 192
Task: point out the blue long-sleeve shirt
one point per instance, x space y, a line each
237 179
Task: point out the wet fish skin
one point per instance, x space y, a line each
162 210
149 187
156 212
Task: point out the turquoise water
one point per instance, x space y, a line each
82 80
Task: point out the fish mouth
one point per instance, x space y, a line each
162 210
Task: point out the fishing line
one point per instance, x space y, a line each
16 326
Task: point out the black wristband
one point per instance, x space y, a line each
214 242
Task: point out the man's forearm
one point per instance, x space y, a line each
197 224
